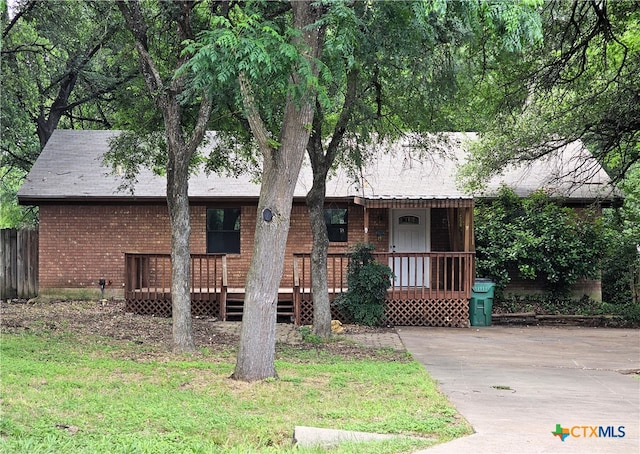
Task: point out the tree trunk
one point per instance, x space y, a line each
178 204
321 163
319 251
180 153
256 353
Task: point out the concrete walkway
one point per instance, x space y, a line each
515 385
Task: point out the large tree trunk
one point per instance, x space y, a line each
178 204
319 251
321 163
256 355
180 152
281 166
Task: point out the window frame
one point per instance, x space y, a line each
223 235
337 232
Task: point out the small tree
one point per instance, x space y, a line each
368 281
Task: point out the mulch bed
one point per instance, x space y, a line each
108 319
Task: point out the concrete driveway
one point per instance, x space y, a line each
517 385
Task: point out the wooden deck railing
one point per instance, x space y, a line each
336 272
148 278
425 275
430 275
417 276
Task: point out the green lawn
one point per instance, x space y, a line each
63 393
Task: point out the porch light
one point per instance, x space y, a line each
379 234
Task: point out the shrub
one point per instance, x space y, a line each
630 312
536 237
621 261
368 281
308 336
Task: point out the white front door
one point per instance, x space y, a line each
410 233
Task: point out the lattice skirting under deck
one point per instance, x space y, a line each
453 313
162 307
306 313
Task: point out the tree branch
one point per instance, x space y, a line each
345 113
34 47
201 124
135 23
21 161
21 12
253 116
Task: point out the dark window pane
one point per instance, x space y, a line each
223 230
223 219
223 242
337 224
411 220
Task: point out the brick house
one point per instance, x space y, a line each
96 237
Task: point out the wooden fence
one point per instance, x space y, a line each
18 263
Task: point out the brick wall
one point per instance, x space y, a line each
378 228
80 244
589 287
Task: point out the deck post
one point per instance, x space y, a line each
223 290
468 229
296 292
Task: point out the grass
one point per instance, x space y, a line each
67 394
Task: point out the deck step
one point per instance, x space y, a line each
235 307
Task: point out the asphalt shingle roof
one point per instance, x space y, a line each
70 168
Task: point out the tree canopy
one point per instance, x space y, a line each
579 83
63 64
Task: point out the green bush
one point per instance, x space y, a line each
621 260
547 304
368 282
536 237
629 312
308 336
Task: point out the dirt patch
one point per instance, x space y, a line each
108 319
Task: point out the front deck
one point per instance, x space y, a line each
429 289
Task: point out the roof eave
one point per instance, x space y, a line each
414 202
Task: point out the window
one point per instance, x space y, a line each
337 226
223 230
409 220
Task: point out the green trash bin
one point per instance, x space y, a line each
481 303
